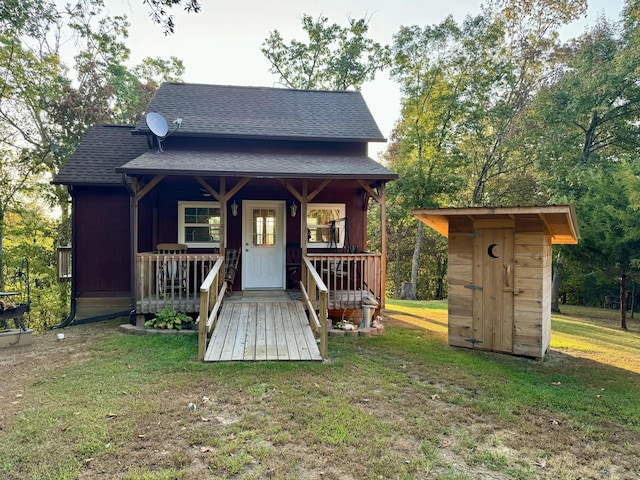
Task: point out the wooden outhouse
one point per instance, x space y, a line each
500 273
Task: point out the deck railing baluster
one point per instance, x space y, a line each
181 280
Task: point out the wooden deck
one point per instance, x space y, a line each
255 326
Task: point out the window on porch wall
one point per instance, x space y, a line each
325 225
199 224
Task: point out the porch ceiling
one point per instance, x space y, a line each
256 164
560 220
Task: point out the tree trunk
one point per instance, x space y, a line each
623 301
396 273
442 271
415 261
409 288
1 247
408 292
555 284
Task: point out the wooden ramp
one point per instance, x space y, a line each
256 329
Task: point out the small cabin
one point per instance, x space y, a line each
500 273
270 178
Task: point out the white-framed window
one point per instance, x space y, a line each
326 225
199 224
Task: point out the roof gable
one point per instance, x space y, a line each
261 112
559 220
103 148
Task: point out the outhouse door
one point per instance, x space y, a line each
493 289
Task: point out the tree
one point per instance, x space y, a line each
467 92
439 71
517 67
611 226
25 139
585 123
159 11
43 115
335 57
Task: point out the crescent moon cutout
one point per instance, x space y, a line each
490 250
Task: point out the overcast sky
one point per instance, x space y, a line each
221 45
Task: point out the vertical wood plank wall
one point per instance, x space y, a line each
532 289
531 285
460 253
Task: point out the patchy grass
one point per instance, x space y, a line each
402 405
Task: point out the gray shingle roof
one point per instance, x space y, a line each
103 148
261 164
260 112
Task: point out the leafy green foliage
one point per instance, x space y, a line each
335 57
585 128
44 113
169 319
30 250
159 11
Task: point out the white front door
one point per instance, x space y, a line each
263 245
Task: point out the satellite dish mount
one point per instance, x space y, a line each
158 126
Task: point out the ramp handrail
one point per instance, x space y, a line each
210 302
315 295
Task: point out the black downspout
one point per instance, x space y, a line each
72 313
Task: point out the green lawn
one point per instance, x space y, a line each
400 405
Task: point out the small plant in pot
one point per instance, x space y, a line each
169 319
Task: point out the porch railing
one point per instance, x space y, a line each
351 279
210 302
64 264
171 280
315 296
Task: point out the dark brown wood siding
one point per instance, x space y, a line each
158 211
102 240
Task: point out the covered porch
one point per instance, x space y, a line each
351 274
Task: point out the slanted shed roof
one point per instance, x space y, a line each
560 220
103 148
261 112
257 164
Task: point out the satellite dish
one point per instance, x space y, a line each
157 124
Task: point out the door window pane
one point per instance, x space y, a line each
264 227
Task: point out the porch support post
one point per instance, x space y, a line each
381 197
383 242
223 228
134 254
304 198
133 231
223 214
135 195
